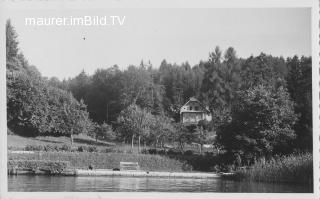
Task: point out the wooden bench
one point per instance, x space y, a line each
129 166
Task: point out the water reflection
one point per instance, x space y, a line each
124 184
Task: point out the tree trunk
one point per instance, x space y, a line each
145 145
200 149
132 139
157 140
139 143
71 137
181 146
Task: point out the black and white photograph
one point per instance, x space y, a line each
160 99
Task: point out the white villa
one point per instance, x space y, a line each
193 111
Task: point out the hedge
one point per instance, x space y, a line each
52 167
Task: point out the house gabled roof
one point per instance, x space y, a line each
193 99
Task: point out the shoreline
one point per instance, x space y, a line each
108 172
103 172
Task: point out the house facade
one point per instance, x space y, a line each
193 111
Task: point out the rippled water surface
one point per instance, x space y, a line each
105 184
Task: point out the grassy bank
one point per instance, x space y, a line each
16 142
295 168
105 160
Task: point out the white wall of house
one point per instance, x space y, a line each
192 117
193 112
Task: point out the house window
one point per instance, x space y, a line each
197 108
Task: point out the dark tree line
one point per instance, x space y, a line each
217 82
254 101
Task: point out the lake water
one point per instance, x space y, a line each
39 183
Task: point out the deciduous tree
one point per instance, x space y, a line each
262 123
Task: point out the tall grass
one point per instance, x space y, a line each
295 168
105 160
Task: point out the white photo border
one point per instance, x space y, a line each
6 6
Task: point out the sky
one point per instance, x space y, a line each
177 35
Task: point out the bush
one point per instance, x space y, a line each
87 149
52 167
187 167
108 150
208 154
34 148
152 151
161 152
65 147
214 168
145 151
50 148
82 148
13 148
173 152
189 152
73 149
104 131
92 149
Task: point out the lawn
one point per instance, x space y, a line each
112 154
19 142
123 152
16 142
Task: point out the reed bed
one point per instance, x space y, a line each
295 168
